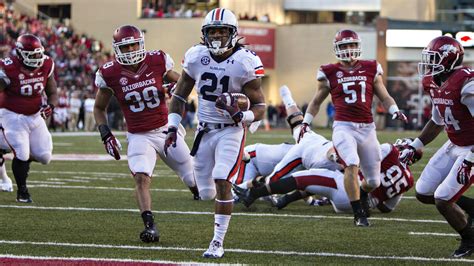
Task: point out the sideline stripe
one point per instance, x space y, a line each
66 259
212 213
275 252
431 234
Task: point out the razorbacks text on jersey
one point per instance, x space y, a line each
448 108
140 94
395 178
351 89
214 78
23 94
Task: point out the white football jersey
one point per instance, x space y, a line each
214 78
266 156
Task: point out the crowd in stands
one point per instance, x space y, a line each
174 9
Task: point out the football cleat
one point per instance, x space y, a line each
7 186
150 234
281 203
319 202
23 197
360 219
244 195
465 249
215 250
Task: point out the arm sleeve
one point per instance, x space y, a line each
467 96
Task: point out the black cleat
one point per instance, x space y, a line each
281 203
23 196
360 219
150 234
465 249
244 195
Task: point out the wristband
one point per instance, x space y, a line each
393 109
417 144
308 118
104 131
470 157
173 120
248 116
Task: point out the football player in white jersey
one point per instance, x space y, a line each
220 64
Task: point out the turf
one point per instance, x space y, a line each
92 202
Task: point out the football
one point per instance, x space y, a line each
242 100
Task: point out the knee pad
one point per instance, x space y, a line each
44 158
207 194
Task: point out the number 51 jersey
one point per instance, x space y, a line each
214 78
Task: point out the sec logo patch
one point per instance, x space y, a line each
205 60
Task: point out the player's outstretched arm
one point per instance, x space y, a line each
253 90
322 93
388 102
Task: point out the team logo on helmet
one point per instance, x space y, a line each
21 76
448 48
205 60
339 74
123 81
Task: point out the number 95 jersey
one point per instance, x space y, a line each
140 94
214 78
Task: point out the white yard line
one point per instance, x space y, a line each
212 213
273 252
106 188
65 259
431 234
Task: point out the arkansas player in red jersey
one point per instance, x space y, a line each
352 84
136 78
24 79
449 173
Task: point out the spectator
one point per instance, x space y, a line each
74 109
89 113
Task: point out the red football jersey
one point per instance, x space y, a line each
140 94
446 99
351 89
395 178
24 93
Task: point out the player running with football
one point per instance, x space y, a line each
219 66
449 173
136 79
352 84
24 79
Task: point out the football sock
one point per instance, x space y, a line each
467 232
291 197
20 171
283 186
467 204
356 207
285 94
194 190
221 223
148 219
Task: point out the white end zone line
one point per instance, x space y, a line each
212 213
20 257
274 252
432 234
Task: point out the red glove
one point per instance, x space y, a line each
46 110
233 109
303 130
112 145
465 173
400 116
407 155
171 138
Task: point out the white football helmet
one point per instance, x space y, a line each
219 18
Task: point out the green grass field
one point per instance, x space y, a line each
87 209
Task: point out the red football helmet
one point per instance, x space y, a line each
347 37
402 144
125 36
30 51
441 55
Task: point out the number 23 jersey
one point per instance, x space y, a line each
214 78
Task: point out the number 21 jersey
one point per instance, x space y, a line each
352 89
214 78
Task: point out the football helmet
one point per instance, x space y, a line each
219 18
402 144
124 36
441 55
30 51
346 37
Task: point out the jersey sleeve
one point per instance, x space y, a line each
321 76
52 68
385 148
436 117
253 68
189 62
169 63
100 81
467 96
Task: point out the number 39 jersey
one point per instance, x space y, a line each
214 78
351 89
449 107
23 94
140 94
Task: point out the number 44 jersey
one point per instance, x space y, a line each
140 93
214 78
352 89
23 94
